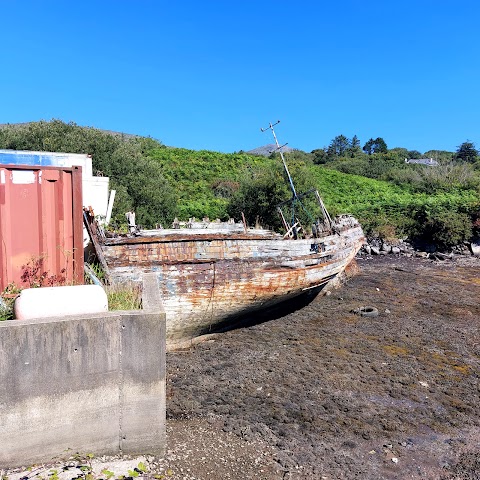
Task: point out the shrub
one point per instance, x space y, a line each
445 228
259 194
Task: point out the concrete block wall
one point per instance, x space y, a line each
92 384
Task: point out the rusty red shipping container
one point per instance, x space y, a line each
41 217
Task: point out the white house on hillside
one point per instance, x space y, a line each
423 161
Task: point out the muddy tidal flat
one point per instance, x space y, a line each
320 392
323 393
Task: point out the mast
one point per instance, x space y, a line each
327 220
279 149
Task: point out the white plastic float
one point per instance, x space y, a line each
49 302
475 247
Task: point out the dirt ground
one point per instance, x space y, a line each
322 392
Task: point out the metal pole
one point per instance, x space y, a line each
279 148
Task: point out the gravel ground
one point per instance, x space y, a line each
335 395
320 392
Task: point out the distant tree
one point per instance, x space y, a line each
441 156
380 146
354 147
260 191
355 142
467 152
400 152
375 146
151 195
338 146
368 147
414 154
319 156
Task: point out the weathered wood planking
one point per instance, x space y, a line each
207 279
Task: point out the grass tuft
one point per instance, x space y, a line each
124 296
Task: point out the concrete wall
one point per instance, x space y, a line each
91 384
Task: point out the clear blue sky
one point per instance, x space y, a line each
208 74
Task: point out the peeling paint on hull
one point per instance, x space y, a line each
208 279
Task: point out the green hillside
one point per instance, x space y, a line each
438 204
204 182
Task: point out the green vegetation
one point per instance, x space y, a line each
7 302
375 146
138 180
260 191
121 296
390 197
84 468
203 180
467 152
124 296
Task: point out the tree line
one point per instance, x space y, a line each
390 197
137 179
342 147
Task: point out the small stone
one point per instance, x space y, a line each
386 248
394 459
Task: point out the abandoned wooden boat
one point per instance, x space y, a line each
211 273
207 278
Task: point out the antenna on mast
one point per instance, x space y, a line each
296 199
279 149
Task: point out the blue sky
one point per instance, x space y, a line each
209 74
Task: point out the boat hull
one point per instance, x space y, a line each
208 281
